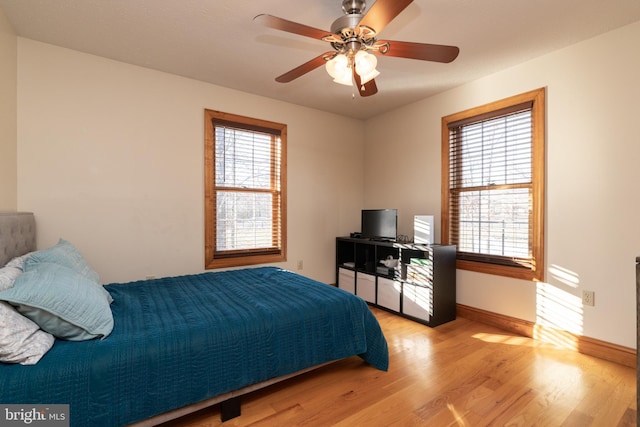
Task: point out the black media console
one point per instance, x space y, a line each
422 287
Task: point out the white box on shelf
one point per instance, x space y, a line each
347 280
389 293
417 301
366 287
423 230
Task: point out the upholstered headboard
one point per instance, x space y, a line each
17 235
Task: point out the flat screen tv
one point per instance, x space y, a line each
380 224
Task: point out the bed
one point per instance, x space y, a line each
182 343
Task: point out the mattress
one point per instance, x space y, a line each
181 340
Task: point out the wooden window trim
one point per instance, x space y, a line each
537 98
251 257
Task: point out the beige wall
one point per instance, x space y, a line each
8 125
111 158
593 153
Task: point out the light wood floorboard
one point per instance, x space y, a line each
462 373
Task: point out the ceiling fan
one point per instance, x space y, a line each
354 42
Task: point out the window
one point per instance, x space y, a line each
245 190
493 186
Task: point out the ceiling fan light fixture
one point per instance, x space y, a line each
345 79
365 64
336 65
368 77
338 68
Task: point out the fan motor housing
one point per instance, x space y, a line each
345 25
353 6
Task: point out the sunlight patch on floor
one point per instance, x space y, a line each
559 314
504 339
459 418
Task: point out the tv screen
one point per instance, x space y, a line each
379 223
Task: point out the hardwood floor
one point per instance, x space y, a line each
462 373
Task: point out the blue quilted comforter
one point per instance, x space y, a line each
182 340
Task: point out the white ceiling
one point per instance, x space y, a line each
217 41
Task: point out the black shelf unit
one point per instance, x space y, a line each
424 282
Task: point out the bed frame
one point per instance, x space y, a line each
229 402
18 237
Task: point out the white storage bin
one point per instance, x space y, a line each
366 287
347 280
389 293
417 301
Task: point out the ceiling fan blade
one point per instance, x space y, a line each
422 51
368 89
293 27
382 12
303 69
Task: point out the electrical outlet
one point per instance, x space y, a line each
300 265
589 298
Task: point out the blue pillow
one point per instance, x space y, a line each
61 301
65 254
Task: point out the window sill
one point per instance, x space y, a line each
243 261
501 270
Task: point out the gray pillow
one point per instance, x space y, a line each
65 254
61 301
